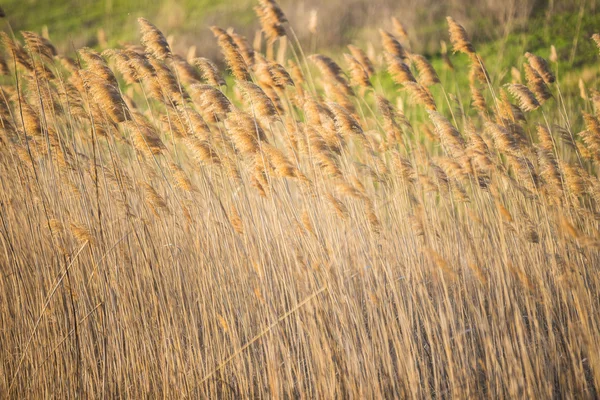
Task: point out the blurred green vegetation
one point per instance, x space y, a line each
73 24
75 19
76 23
569 32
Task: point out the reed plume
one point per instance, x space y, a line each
358 75
420 95
333 72
153 40
527 100
427 74
537 84
245 131
452 141
271 19
459 37
392 46
541 67
244 47
16 50
362 58
399 71
233 57
596 38
82 233
258 102
210 72
107 96
39 45
185 71
213 104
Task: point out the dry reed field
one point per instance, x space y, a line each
285 227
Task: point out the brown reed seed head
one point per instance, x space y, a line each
574 179
181 179
449 135
258 102
280 76
153 40
596 38
3 66
144 136
427 74
236 220
537 84
478 99
362 58
168 88
271 19
244 47
107 96
271 73
194 123
185 71
245 131
37 44
203 151
345 123
399 71
211 102
139 62
280 163
296 73
504 140
331 71
399 28
16 50
545 138
527 100
390 124
478 68
82 233
97 66
420 95
459 37
358 75
154 201
550 172
123 65
392 45
210 72
233 57
541 66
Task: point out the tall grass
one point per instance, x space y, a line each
299 232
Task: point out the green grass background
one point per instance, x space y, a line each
72 24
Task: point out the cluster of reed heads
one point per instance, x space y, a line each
287 228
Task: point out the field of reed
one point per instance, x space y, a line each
281 224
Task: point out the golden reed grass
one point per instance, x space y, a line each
295 230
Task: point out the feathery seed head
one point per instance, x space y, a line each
362 58
459 37
392 45
527 100
427 74
210 72
541 67
153 40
